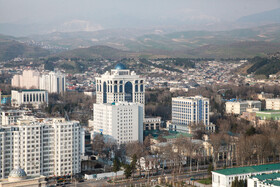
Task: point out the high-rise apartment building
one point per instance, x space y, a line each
49 147
53 82
122 122
120 85
189 110
29 80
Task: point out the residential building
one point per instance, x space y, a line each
122 122
49 147
10 117
29 80
264 180
225 177
238 107
120 85
34 97
272 104
53 82
189 110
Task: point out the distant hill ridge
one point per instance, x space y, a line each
99 51
10 49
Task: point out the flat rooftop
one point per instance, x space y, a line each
249 169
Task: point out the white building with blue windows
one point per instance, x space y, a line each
122 122
189 110
120 85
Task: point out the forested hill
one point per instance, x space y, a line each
10 49
265 66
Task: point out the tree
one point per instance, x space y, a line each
210 169
116 165
238 183
98 144
127 170
138 149
133 163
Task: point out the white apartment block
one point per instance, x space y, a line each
188 110
49 147
28 80
120 85
53 82
121 121
225 177
10 117
238 107
34 97
272 104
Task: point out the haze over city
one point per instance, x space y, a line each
150 93
91 15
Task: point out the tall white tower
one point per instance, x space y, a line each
120 85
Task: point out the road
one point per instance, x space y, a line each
101 183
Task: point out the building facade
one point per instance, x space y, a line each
225 177
238 107
264 180
122 122
152 123
120 85
272 104
29 80
34 97
10 117
53 82
189 110
49 147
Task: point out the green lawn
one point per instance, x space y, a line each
205 181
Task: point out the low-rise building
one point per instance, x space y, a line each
152 123
18 177
238 107
272 104
264 180
35 97
225 177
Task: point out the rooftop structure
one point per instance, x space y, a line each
120 85
265 180
224 177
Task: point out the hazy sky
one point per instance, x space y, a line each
114 13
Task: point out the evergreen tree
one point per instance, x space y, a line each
127 170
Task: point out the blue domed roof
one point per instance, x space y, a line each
17 172
120 66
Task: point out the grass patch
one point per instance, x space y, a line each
205 181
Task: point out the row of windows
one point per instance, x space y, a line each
34 97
